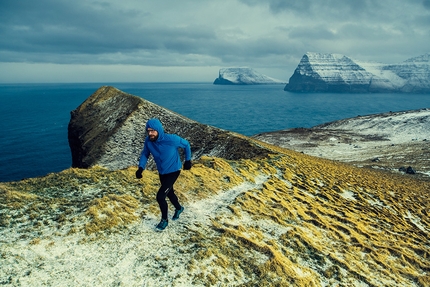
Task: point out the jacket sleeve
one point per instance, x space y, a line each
187 148
144 155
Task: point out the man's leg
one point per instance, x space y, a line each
166 190
173 198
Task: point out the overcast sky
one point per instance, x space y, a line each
190 40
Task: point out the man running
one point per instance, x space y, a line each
164 149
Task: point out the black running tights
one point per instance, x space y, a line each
166 190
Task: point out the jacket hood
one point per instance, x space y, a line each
155 124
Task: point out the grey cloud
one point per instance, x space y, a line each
335 11
312 32
311 7
159 33
89 29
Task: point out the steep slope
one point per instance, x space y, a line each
415 72
243 76
286 220
319 72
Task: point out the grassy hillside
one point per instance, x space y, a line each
286 220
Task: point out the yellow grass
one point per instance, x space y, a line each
312 222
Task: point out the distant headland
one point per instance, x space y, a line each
244 76
336 73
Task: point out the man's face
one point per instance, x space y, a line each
153 134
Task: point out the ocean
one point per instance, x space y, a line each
34 117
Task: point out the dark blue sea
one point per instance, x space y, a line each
34 117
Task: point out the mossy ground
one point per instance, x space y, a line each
285 220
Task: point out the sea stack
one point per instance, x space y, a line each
244 76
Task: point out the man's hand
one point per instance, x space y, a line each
139 172
187 165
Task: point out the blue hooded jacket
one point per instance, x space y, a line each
164 149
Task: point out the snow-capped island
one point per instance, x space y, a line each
244 76
318 72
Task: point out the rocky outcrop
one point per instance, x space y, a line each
318 72
108 130
243 76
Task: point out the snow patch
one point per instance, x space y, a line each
348 195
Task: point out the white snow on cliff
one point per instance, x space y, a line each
405 76
340 67
377 70
246 76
